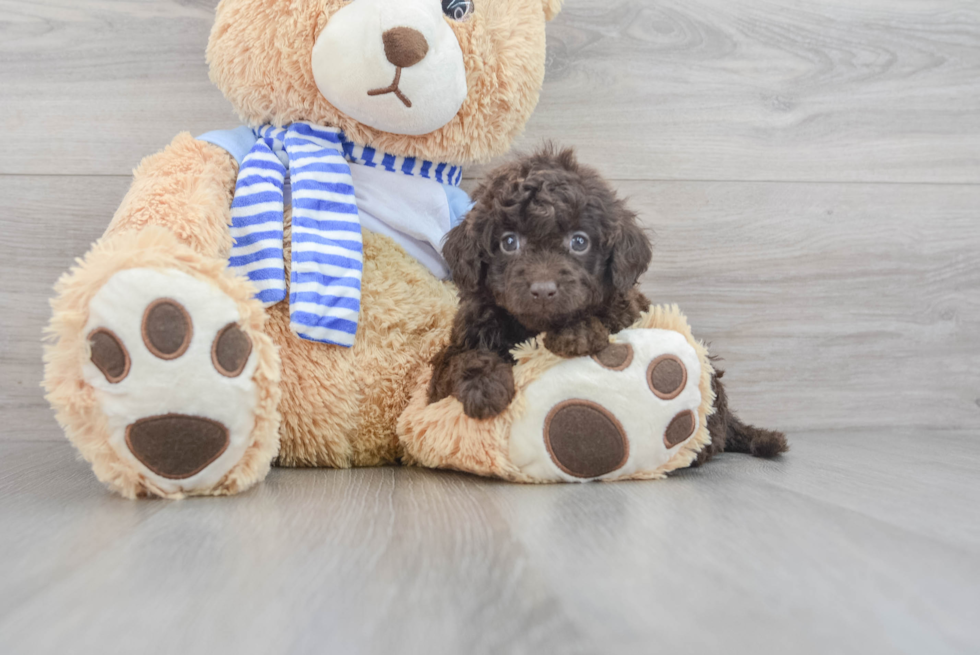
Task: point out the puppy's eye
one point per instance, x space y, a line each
579 243
457 9
510 243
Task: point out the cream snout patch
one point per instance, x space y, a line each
394 65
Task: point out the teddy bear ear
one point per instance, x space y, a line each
551 8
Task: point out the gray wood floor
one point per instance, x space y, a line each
811 169
860 542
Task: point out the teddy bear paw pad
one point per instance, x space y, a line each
623 412
172 371
584 439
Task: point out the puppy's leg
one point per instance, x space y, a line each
590 336
480 379
623 310
441 384
579 339
484 383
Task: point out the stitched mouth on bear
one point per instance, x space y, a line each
393 88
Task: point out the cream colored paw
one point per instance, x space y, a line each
635 410
172 369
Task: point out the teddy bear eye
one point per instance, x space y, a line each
510 243
579 243
457 9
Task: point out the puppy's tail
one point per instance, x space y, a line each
730 434
760 442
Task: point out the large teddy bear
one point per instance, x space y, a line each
276 292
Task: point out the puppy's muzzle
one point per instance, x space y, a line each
543 291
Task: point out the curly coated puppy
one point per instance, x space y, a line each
549 247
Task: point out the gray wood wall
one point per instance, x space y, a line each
811 169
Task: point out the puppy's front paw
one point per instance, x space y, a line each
588 337
485 386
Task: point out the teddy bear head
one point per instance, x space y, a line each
449 80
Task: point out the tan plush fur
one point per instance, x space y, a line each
440 435
260 57
318 405
551 8
75 401
188 187
340 405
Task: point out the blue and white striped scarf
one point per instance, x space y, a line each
327 252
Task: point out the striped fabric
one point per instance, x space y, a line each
368 156
327 253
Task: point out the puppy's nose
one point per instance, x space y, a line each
544 290
404 46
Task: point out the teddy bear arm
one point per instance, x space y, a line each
187 188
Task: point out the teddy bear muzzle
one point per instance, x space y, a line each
394 66
404 47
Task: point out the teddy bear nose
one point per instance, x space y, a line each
404 46
544 290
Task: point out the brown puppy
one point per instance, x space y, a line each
550 248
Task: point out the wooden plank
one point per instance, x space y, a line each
709 90
827 90
45 224
93 87
894 475
332 561
834 305
732 557
737 557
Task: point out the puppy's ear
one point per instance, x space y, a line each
463 253
631 253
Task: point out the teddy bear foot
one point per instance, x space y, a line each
174 376
623 413
636 410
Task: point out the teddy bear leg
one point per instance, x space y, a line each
635 410
158 366
638 409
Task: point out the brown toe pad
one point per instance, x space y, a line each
230 351
109 355
176 446
615 357
584 439
167 328
680 428
667 377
